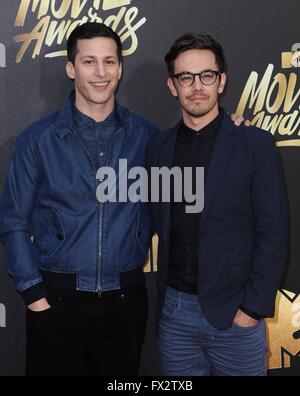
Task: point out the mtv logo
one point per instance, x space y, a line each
2 55
2 315
291 59
283 331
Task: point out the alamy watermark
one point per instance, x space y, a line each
2 315
2 55
158 185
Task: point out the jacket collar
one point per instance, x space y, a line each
226 129
65 121
219 160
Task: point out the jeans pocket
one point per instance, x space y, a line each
39 323
39 313
170 309
245 329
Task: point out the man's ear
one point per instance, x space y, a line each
172 87
120 70
223 80
70 70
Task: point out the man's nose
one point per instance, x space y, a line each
197 83
100 69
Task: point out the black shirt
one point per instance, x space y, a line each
192 149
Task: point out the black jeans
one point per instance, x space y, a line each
86 334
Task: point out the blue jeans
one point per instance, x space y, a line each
190 346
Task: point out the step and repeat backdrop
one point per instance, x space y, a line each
261 40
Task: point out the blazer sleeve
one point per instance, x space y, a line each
270 214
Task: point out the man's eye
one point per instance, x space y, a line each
111 62
208 75
89 62
186 78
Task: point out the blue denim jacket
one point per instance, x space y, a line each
55 230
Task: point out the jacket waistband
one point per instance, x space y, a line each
68 281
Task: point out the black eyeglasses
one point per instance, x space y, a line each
187 79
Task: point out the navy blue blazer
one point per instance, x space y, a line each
244 224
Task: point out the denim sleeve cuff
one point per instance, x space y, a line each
250 313
34 293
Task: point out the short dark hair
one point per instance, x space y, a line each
191 41
91 30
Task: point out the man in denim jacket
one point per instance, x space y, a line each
76 261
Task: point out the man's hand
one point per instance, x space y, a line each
239 120
243 320
39 306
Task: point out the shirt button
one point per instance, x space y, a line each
102 154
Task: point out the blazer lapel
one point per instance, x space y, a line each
220 157
166 156
168 146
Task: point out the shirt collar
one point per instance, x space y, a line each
64 122
204 134
82 119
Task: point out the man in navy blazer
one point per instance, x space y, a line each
218 270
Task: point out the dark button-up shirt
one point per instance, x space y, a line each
193 149
96 136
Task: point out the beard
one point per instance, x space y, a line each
198 111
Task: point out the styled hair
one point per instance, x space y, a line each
191 41
91 30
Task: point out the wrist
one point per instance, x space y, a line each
248 312
40 305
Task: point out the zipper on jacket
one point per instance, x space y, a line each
101 219
73 134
